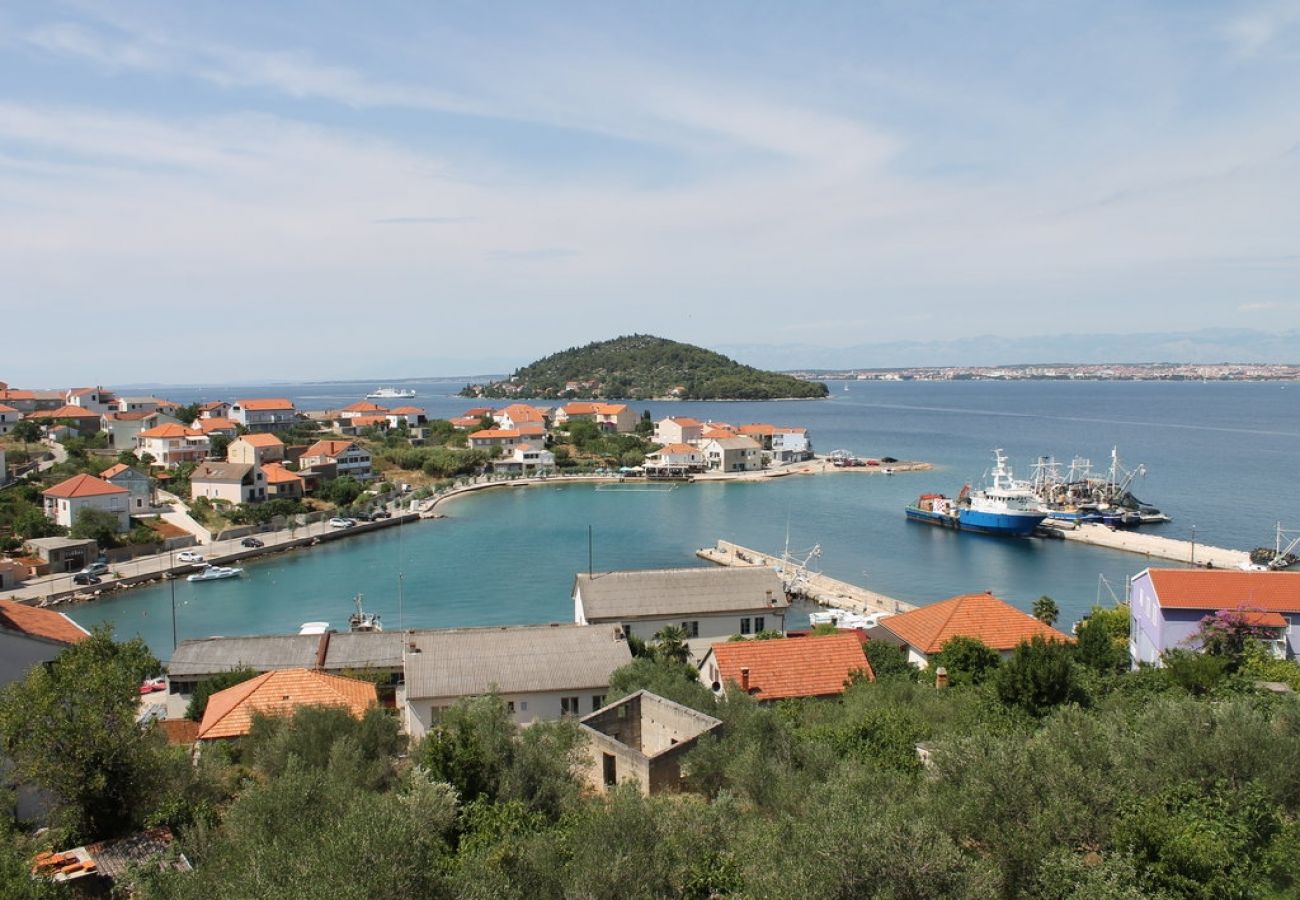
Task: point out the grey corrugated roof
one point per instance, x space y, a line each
620 596
459 662
262 652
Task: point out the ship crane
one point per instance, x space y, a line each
1280 555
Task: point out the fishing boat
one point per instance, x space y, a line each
216 573
362 621
1005 507
391 393
1080 496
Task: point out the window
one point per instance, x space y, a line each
758 624
611 769
568 706
510 707
597 701
692 629
744 627
627 630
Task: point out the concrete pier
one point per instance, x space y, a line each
1155 547
820 589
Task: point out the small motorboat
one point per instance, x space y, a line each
216 573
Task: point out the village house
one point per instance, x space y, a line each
615 417
465 423
361 408
170 445
525 459
812 666
230 713
147 404
214 409
231 482
281 484
494 437
675 460
57 555
348 458
708 604
791 445
9 417
358 424
255 448
95 400
122 428
578 410
1166 607
68 498
83 421
227 428
677 430
412 416
517 415
139 486
23 401
732 454
541 672
641 739
265 414
921 633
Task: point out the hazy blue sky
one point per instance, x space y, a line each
207 191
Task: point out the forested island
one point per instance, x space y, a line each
644 367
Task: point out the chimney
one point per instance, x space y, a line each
744 679
941 677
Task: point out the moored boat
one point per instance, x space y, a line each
1005 507
216 573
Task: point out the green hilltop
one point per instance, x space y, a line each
644 367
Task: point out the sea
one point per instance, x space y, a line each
1220 457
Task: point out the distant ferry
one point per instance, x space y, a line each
1006 507
388 393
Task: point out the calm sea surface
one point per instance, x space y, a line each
1220 457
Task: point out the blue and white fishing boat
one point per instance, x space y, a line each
1005 507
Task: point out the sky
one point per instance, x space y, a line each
214 192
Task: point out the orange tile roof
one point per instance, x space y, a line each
718 434
684 421
279 692
983 616
17 395
579 409
83 486
478 412
1269 619
364 406
678 448
278 474
64 412
327 448
265 404
610 409
531 429
487 433
170 430
781 429
7 409
758 428
407 411
464 422
114 470
133 416
522 412
793 667
261 439
1214 589
217 423
44 623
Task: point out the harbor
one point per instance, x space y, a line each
1153 546
801 581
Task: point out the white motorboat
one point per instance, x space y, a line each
216 573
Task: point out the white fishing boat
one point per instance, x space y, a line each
216 573
391 393
363 621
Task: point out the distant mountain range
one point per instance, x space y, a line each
1238 345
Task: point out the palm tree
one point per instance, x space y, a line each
670 643
1046 610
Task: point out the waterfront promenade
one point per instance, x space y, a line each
1156 547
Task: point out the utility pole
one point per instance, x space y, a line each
171 576
590 553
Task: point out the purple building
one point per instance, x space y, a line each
1166 607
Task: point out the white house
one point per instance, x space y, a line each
709 604
732 454
525 459
362 408
170 445
146 404
265 414
8 418
67 498
351 459
96 399
232 482
494 437
413 416
542 672
791 445
615 417
517 415
675 459
678 430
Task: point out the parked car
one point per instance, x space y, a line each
340 522
85 578
98 567
381 514
189 556
251 542
149 685
362 517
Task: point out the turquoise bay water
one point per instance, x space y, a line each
1221 457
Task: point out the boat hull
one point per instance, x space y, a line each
1015 524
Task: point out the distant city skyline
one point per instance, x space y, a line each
216 193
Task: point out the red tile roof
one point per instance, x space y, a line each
261 439
757 428
364 406
1213 590
793 667
580 408
170 430
134 416
278 474
995 622
7 409
279 692
44 623
83 486
465 422
678 448
114 470
610 409
522 412
217 423
64 412
407 411
1269 619
718 434
17 395
684 421
266 404
330 449
488 433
